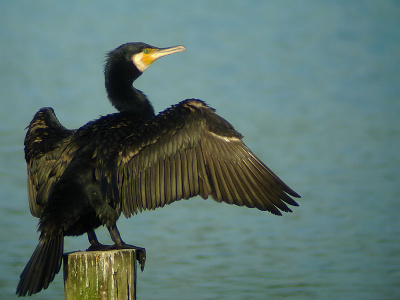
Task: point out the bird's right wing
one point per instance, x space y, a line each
189 150
47 153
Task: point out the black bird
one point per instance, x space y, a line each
131 161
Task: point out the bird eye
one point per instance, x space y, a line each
146 51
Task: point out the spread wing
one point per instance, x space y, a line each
189 150
48 152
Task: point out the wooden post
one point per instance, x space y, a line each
101 275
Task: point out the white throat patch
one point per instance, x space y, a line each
138 62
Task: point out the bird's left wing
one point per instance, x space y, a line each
189 150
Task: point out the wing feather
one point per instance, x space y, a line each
195 173
178 175
204 183
167 180
172 176
185 176
156 184
143 203
229 187
216 193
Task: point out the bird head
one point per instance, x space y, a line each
141 55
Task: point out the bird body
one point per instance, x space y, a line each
131 161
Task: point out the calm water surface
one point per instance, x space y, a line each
312 85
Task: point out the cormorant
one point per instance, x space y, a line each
131 161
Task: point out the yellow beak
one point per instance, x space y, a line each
154 54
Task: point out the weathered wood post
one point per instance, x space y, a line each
101 275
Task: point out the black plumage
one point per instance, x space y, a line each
131 161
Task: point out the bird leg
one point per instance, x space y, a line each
120 244
95 245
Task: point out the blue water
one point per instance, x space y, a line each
314 86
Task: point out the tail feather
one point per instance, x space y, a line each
43 265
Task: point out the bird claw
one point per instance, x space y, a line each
141 257
140 254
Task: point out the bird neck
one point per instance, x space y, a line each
125 98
